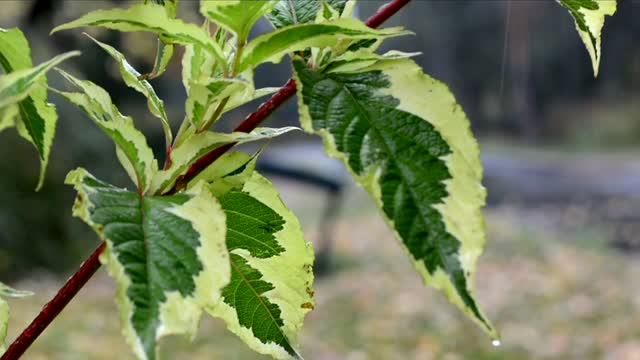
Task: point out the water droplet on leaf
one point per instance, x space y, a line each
496 342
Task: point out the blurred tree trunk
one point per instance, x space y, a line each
522 104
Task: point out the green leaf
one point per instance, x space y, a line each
185 154
355 60
36 118
18 84
131 77
288 12
237 16
589 18
408 143
271 47
6 291
151 18
206 95
165 51
163 57
270 291
166 253
131 146
8 115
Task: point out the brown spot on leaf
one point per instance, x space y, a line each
307 305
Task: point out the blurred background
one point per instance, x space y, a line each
560 150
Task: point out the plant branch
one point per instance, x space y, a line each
91 265
267 108
51 310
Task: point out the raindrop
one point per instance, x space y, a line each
496 342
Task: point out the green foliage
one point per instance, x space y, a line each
217 238
6 291
166 253
236 15
407 142
273 46
23 94
287 12
589 18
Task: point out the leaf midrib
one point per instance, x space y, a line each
400 168
244 279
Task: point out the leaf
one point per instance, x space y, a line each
151 18
589 18
6 291
131 78
206 95
353 61
166 253
196 63
18 84
131 146
163 57
237 16
287 12
8 114
28 85
408 143
264 304
271 47
188 152
165 51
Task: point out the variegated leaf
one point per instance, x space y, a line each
131 146
237 16
408 143
206 96
166 253
6 291
287 12
186 153
131 77
264 304
589 18
273 46
26 86
151 18
165 50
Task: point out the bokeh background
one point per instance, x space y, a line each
560 272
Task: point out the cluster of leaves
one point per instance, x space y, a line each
223 242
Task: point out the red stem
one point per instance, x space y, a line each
91 265
55 306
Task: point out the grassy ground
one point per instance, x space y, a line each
554 294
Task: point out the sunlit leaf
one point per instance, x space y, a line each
131 77
273 46
287 12
131 145
263 304
150 18
186 153
406 140
237 16
27 87
166 253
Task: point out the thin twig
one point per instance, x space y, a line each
91 265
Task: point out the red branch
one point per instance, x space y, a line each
89 267
55 306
